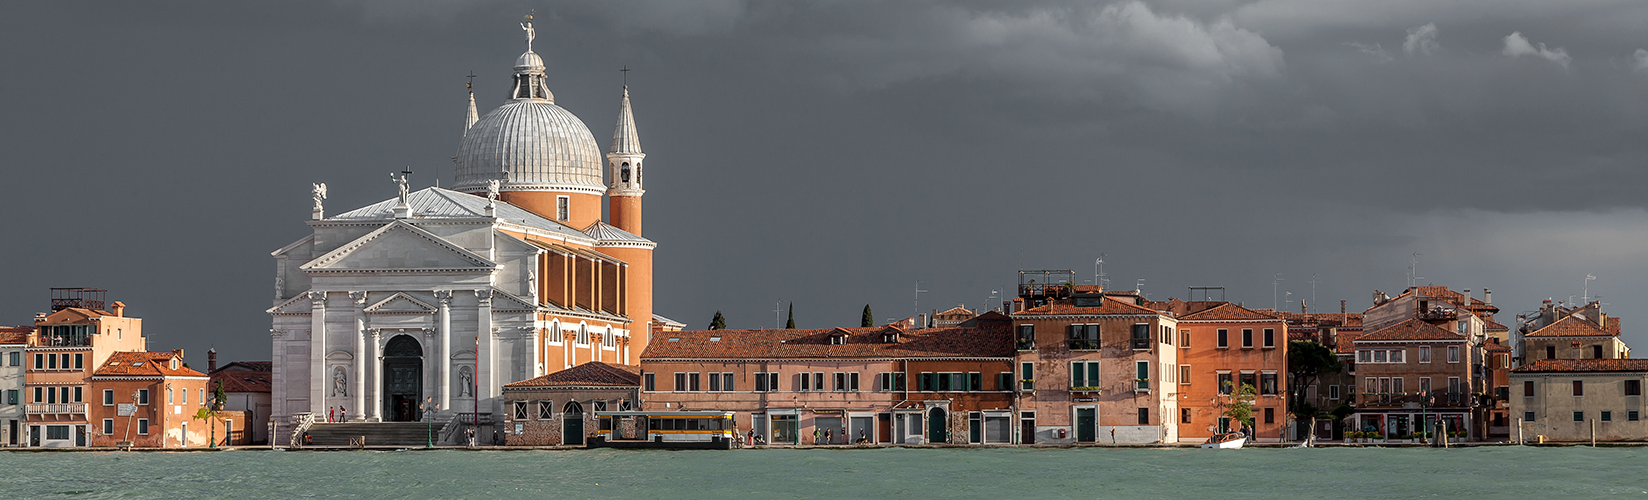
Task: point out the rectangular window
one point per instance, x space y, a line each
1004 381
1027 337
840 381
1550 352
1630 415
1184 374
1527 388
680 382
1247 338
715 382
1379 356
562 207
650 382
51 395
761 383
1424 384
1579 388
78 360
1528 416
1606 416
694 382
1454 388
142 426
51 362
806 382
1184 338
1398 356
16 358
11 396
1579 416
39 362
1333 392
1267 385
546 410
1270 337
1184 415
852 382
108 426
519 408
108 397
1453 354
77 395
1143 374
1424 354
975 381
1396 385
726 381
1248 378
1084 337
1372 386
1223 339
1141 337
1633 388
818 381
1144 416
1596 352
1027 376
1084 374
1226 383
1270 415
143 397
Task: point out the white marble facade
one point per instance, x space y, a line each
446 276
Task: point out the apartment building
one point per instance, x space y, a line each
1580 399
78 336
1415 373
13 342
1222 347
149 400
1555 332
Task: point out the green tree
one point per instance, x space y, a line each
791 322
219 396
868 319
1307 362
1240 407
718 323
210 414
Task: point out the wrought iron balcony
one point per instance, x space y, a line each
1141 344
1084 344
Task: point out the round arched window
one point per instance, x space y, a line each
624 172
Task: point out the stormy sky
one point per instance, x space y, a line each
832 154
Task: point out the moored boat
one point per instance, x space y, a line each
1228 440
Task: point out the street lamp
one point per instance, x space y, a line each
429 408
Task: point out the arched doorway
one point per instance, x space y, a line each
938 427
402 379
572 424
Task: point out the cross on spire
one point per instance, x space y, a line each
471 84
626 75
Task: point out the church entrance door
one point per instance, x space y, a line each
403 379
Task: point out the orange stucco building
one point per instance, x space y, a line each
149 399
67 346
1223 346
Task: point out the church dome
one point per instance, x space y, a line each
529 143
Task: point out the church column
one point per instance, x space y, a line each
443 358
375 409
359 386
485 372
317 352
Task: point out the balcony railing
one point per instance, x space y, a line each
56 408
1438 314
1141 385
1412 400
1084 344
1141 344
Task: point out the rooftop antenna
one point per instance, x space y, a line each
989 300
1098 272
1139 286
776 310
1588 279
919 291
1313 283
1413 272
1275 306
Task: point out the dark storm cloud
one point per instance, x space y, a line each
833 153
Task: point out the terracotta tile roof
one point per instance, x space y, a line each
1339 319
956 311
15 334
1346 343
1111 305
1572 326
1496 347
144 364
1181 307
1412 329
1493 326
1226 311
591 373
1584 365
983 339
244 376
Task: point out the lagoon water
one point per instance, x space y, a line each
1486 472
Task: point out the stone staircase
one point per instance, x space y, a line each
375 434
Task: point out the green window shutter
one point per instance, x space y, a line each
1076 375
1093 373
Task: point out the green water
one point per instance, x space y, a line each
1488 472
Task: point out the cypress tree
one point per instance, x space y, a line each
719 323
868 319
791 322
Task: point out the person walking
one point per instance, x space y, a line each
343 414
828 437
331 414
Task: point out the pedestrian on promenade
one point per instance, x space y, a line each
343 415
331 414
828 439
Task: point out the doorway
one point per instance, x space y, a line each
572 424
1086 425
938 430
403 379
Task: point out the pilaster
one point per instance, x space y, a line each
360 358
317 352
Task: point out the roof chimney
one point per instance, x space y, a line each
1304 306
1487 296
211 360
119 308
1341 307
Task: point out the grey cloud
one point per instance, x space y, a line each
1517 45
1374 51
1421 40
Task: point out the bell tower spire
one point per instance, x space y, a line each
624 169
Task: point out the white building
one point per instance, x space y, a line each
12 406
443 296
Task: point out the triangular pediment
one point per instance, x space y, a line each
505 301
398 245
401 303
298 304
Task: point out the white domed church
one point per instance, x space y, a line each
439 297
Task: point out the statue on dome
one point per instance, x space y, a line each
530 34
492 188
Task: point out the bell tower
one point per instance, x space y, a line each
624 171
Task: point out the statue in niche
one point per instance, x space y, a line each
466 382
340 382
532 285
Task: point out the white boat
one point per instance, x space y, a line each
1229 440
